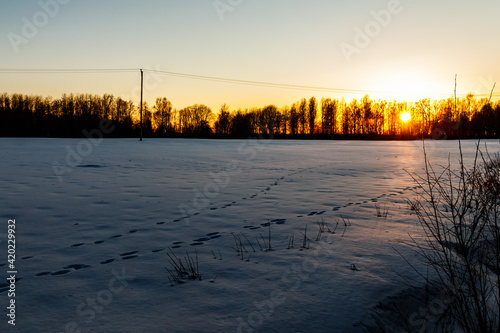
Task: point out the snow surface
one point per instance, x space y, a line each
95 219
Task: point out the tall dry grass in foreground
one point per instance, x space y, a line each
458 210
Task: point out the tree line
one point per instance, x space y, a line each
67 116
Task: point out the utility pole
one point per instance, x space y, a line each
142 81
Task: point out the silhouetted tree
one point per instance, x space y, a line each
353 116
268 117
302 114
294 117
108 107
285 120
392 117
328 116
147 119
223 123
195 119
366 115
378 113
312 111
162 115
241 125
67 116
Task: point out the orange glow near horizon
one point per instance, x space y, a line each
404 83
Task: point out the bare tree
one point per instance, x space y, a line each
328 116
302 115
312 112
294 117
223 123
459 211
268 119
195 119
163 115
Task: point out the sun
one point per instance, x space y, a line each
406 116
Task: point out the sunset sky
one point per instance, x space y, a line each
388 49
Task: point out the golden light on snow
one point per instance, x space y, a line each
406 117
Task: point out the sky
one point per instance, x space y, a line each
389 49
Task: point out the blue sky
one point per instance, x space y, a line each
414 52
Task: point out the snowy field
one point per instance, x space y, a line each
95 220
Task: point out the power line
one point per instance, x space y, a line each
280 85
214 79
185 75
260 83
65 71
